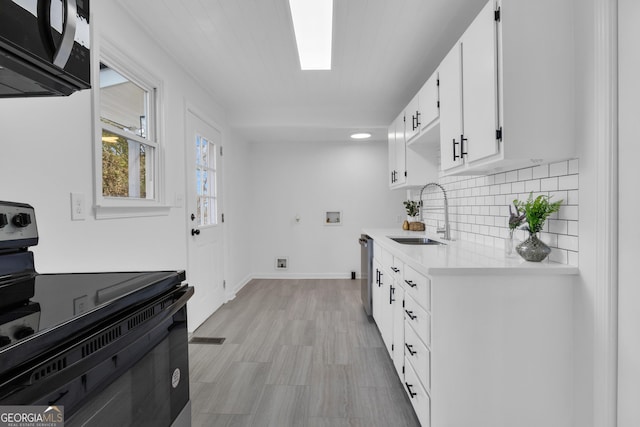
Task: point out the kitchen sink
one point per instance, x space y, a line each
415 241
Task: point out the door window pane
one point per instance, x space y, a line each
206 190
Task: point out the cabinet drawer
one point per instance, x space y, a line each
418 318
418 286
397 267
419 397
418 355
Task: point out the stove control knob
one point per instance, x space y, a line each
4 340
3 220
21 220
23 332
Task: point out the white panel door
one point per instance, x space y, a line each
204 210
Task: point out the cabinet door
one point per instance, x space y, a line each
429 109
479 82
412 119
398 330
401 160
383 310
450 109
377 297
391 135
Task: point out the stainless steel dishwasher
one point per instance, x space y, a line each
366 271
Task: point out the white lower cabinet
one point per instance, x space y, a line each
481 350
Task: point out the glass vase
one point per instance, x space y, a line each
533 249
510 244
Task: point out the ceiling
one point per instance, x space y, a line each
244 53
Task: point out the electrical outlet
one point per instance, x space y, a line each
78 208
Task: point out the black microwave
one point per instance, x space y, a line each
44 47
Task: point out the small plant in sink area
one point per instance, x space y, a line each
413 210
536 211
412 207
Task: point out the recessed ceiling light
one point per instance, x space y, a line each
312 24
361 135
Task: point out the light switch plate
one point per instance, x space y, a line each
78 207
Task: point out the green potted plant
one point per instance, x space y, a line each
536 211
413 210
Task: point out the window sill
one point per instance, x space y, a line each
112 212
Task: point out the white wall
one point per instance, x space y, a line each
592 297
47 152
308 179
629 174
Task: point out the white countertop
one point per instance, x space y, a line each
461 257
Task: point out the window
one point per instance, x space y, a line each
128 148
207 209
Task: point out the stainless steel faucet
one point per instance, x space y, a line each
446 231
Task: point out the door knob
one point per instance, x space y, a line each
195 232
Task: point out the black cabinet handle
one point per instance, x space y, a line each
417 119
392 291
195 232
379 278
411 315
411 393
462 152
410 283
410 348
455 156
395 270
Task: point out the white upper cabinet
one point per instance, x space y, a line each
413 140
397 155
429 103
412 118
506 97
451 109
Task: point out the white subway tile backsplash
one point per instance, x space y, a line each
558 226
573 167
525 174
568 182
549 184
517 187
568 242
569 212
557 169
573 258
532 185
479 206
541 171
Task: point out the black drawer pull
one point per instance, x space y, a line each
410 283
411 315
411 393
395 270
410 348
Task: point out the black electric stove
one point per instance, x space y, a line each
56 329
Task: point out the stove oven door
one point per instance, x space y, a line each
131 370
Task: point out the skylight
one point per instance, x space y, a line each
312 24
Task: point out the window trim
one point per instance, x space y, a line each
117 207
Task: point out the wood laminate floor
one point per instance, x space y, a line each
296 353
